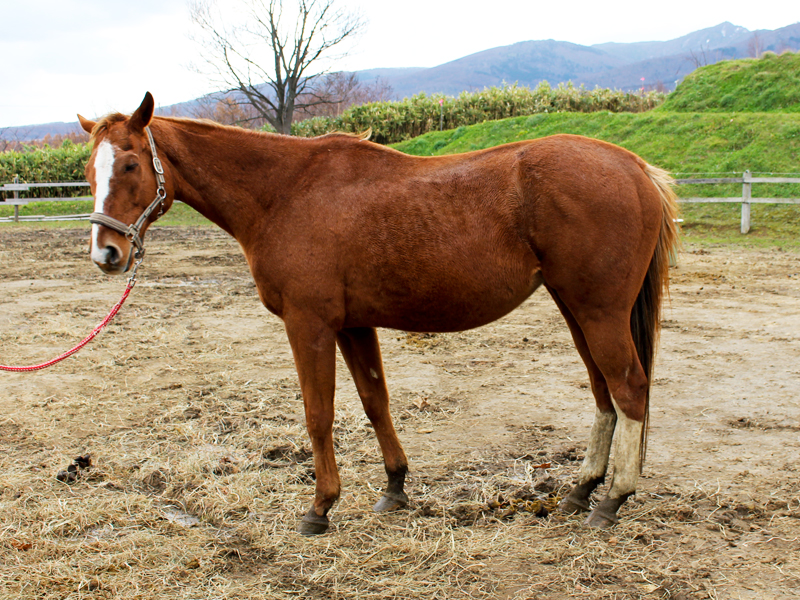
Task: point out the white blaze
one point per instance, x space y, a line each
103 169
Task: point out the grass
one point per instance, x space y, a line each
768 84
772 225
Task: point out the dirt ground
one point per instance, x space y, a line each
189 408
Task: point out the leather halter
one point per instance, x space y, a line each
132 231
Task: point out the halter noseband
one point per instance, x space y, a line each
132 231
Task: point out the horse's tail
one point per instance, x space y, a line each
646 313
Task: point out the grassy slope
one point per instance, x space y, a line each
681 143
771 83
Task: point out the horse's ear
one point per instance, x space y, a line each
87 125
141 118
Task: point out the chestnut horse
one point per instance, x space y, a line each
342 236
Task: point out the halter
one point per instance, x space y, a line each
132 231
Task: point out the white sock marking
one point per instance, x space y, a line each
103 170
596 461
626 455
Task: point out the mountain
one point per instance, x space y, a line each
611 65
526 63
724 34
26 133
669 62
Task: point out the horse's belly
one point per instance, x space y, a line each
448 306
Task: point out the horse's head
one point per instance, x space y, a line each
124 182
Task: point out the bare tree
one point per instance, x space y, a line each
268 57
699 57
342 90
13 138
20 139
755 47
225 109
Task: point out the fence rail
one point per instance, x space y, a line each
747 180
16 187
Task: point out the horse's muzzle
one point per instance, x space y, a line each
111 260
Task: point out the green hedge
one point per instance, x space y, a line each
47 164
397 121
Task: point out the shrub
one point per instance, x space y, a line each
46 164
397 121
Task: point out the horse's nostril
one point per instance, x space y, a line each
112 255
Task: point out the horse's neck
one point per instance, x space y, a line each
224 175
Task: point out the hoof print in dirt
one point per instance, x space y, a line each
75 470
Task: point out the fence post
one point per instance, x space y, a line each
746 195
16 197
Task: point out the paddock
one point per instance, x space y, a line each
190 409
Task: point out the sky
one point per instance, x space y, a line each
96 56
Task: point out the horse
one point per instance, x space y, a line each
343 236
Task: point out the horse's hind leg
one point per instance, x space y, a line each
610 342
604 323
362 353
595 464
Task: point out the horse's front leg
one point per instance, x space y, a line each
314 349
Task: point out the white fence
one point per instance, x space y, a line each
16 187
747 181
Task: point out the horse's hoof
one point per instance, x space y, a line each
391 502
313 524
573 506
599 519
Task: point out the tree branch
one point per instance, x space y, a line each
263 47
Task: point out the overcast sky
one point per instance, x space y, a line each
95 56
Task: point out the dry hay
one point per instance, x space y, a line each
200 464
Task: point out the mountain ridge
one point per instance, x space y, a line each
612 64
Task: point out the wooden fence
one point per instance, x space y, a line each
747 180
16 187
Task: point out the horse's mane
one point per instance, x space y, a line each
361 137
105 122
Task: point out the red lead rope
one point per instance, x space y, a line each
87 339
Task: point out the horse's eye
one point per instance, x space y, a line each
131 167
